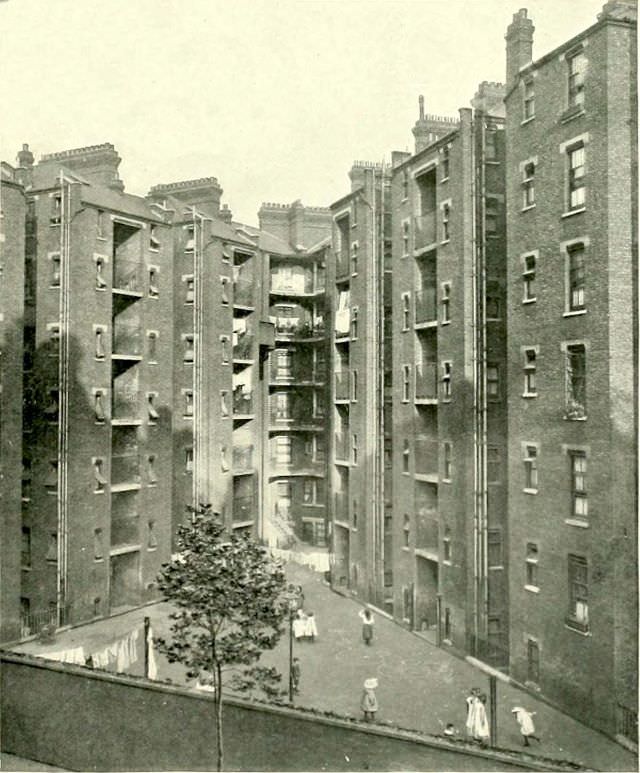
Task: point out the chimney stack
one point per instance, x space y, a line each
519 39
225 214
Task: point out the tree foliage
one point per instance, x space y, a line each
229 608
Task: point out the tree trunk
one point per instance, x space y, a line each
218 708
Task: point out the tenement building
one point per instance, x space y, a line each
571 127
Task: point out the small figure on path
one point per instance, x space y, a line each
367 625
369 702
472 702
300 626
295 674
527 728
300 596
480 722
450 730
311 629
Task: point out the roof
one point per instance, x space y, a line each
126 203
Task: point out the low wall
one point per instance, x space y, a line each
80 719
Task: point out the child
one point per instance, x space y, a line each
450 730
311 630
369 702
367 625
527 728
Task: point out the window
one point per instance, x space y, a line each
494 548
53 332
533 661
224 289
225 349
355 514
576 407
406 311
579 501
532 565
25 554
54 257
575 277
283 449
578 593
154 286
447 624
446 303
406 531
354 322
446 213
405 184
98 548
99 406
308 491
576 159
354 386
51 478
188 403
492 301
187 347
26 479
152 346
354 258
56 210
405 455
190 238
529 100
445 163
224 402
101 282
151 469
100 224
493 464
530 468
152 411
224 458
446 380
99 333
188 459
577 67
152 540
354 213
446 545
188 282
284 363
52 548
529 279
51 410
530 387
528 186
490 150
491 213
406 379
447 463
354 448
405 237
154 242
98 473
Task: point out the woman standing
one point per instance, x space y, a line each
367 625
480 722
369 702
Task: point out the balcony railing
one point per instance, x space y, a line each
427 381
302 284
341 447
342 385
243 291
426 456
44 622
426 305
301 371
297 328
242 403
341 507
125 469
127 338
126 405
127 276
298 463
125 531
244 508
425 229
243 349
243 459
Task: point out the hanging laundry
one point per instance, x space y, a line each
152 668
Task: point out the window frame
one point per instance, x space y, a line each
447 461
576 79
528 184
406 383
528 100
578 592
406 311
529 292
446 379
573 272
579 491
530 370
530 467
445 302
532 579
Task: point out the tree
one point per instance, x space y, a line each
227 592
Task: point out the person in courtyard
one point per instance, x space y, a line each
295 674
369 702
524 718
300 625
311 629
367 625
480 722
450 730
300 596
472 702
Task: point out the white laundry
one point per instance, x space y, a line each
152 668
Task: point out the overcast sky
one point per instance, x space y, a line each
275 98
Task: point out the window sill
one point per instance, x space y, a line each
25 568
497 568
445 179
527 120
492 163
445 322
528 207
530 490
572 112
577 628
101 289
101 238
573 212
526 301
152 362
529 395
447 641
574 418
99 491
154 249
447 563
577 522
404 255
532 588
406 549
98 560
152 483
446 480
575 313
445 241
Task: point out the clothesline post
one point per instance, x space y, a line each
146 647
493 708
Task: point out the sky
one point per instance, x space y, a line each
274 98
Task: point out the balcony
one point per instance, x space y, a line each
341 447
296 417
125 531
343 270
426 459
341 507
427 382
300 284
298 373
298 464
342 386
243 292
244 508
426 306
427 533
128 277
125 472
242 404
243 349
425 230
298 329
127 340
126 406
242 463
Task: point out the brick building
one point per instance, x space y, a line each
571 127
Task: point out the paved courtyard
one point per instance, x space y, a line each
420 686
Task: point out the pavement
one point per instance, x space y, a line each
11 762
421 686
